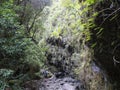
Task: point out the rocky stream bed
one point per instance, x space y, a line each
53 83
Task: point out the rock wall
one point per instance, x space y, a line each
107 48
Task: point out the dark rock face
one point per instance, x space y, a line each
107 50
56 42
59 55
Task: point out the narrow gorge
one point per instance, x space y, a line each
59 45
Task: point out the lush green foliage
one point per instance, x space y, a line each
11 33
4 75
18 49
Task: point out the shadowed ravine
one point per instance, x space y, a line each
59 45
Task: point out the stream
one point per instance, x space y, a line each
53 83
66 83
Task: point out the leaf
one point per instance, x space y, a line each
93 45
100 30
77 6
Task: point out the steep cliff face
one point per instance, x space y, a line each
107 40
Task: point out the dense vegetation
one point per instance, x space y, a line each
20 55
68 37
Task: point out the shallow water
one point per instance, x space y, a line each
66 83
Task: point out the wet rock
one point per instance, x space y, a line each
59 75
59 55
66 83
54 83
56 42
